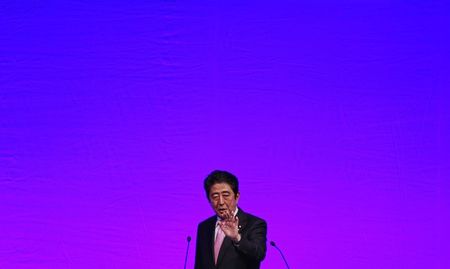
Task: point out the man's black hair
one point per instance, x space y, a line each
218 176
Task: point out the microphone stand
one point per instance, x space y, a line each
187 251
281 253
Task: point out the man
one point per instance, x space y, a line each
232 239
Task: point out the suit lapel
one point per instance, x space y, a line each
211 231
242 220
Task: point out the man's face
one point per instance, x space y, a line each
223 199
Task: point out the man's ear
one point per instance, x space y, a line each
237 196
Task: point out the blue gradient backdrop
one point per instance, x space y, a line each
333 114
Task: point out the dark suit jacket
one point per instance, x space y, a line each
248 254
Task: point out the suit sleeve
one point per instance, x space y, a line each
253 243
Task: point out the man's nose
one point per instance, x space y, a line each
221 200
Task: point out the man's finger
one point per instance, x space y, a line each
230 214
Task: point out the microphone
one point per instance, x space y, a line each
281 253
187 250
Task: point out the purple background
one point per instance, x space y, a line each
334 116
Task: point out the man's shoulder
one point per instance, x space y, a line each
208 221
252 218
